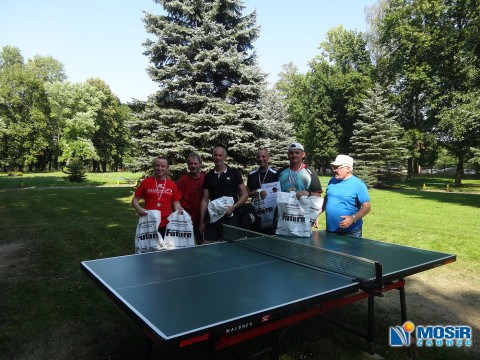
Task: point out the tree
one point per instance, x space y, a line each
107 123
475 160
208 83
429 58
310 110
408 35
445 159
276 131
10 55
123 144
421 147
459 128
23 112
377 138
323 104
349 80
44 119
75 108
76 170
47 68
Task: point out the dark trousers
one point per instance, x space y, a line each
213 232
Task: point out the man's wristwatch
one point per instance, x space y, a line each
354 218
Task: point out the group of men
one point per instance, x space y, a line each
346 200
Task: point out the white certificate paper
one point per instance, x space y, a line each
265 208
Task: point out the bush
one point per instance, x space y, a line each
76 170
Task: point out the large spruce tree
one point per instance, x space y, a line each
377 139
276 130
209 85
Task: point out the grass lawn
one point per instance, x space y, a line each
58 179
51 310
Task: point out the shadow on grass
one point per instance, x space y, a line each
464 199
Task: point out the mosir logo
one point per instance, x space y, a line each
430 335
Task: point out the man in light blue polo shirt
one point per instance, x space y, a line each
346 199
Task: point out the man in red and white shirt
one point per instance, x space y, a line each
159 193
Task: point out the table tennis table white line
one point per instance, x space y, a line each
276 257
198 275
120 298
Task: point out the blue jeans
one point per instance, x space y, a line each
355 233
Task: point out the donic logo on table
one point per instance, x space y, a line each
430 335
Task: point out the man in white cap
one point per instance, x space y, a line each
297 176
346 199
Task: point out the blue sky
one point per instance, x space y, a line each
103 38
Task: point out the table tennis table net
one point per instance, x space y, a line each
356 268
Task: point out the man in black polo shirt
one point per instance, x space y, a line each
222 180
261 175
264 174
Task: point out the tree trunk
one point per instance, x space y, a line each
410 168
459 173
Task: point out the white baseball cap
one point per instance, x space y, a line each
295 146
343 160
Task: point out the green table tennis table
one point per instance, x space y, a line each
229 292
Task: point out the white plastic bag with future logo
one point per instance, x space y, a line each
218 208
147 237
293 215
179 232
315 203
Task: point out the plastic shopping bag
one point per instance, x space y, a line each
218 208
147 237
179 232
293 215
315 203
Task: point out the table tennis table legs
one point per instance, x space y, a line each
369 336
148 347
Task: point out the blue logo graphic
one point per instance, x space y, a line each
430 335
400 335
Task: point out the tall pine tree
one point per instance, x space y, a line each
377 139
208 83
277 132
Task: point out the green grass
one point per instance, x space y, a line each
51 310
58 179
436 183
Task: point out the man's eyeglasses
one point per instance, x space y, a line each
336 168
